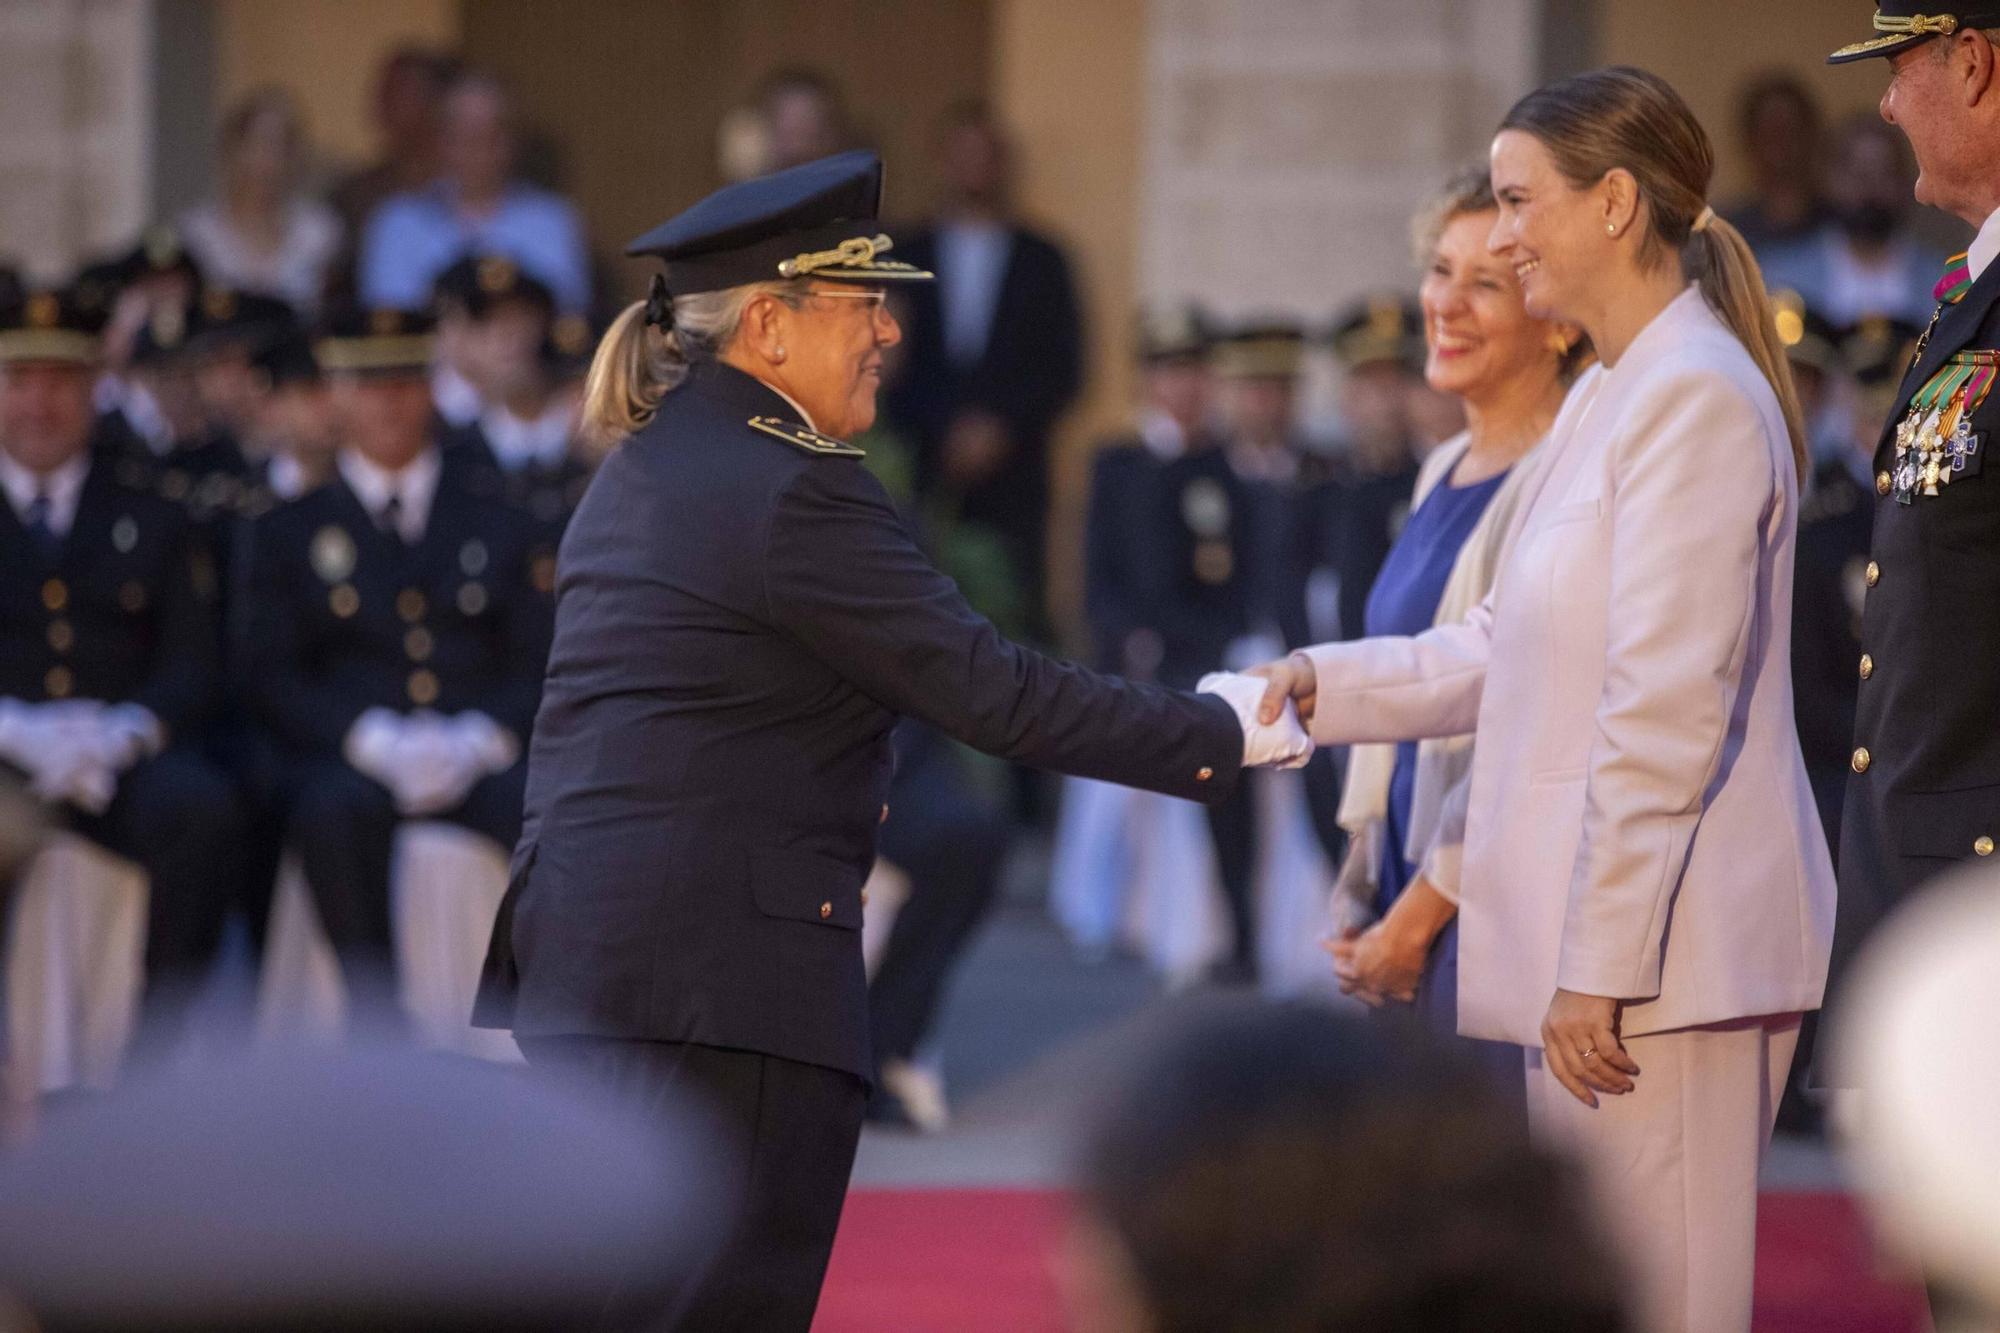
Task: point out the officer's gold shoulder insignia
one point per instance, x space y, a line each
792 433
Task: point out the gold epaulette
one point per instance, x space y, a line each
792 433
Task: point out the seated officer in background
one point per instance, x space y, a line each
391 639
108 648
523 444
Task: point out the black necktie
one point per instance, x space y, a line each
390 520
39 530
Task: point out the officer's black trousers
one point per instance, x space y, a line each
177 817
796 1127
343 825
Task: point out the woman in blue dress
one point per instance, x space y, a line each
1396 902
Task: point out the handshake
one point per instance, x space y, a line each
75 750
1273 736
429 762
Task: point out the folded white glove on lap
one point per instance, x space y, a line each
74 750
429 762
1283 744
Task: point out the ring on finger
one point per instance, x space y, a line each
1590 1053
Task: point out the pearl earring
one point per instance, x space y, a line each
1610 229
778 355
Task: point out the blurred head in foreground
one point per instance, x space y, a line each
377 1190
1923 1143
1276 1166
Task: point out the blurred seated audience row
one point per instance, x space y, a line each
259 593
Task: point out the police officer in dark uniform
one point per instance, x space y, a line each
741 617
108 648
1924 790
524 444
392 638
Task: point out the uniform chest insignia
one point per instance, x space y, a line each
1205 507
332 554
809 440
1935 442
124 534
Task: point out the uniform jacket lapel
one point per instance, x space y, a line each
1955 328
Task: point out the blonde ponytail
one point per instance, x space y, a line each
634 367
638 363
1719 259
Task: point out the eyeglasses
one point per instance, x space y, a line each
877 301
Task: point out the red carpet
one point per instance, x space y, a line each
974 1261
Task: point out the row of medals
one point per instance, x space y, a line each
1929 452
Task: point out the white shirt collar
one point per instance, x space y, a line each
414 487
523 442
1985 247
804 416
64 487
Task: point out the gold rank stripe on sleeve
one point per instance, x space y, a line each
809 440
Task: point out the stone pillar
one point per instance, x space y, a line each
1289 141
76 129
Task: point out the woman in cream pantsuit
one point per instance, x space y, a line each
1647 901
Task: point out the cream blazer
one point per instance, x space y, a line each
1638 822
1434 841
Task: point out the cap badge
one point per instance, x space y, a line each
1385 319
44 311
496 275
169 326
385 322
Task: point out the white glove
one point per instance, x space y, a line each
66 748
429 763
406 754
1283 744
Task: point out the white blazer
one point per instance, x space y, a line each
1639 823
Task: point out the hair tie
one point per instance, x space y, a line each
660 305
1701 223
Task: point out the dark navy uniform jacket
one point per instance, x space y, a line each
339 617
1926 792
741 617
123 612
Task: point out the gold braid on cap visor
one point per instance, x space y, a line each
1917 25
848 254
